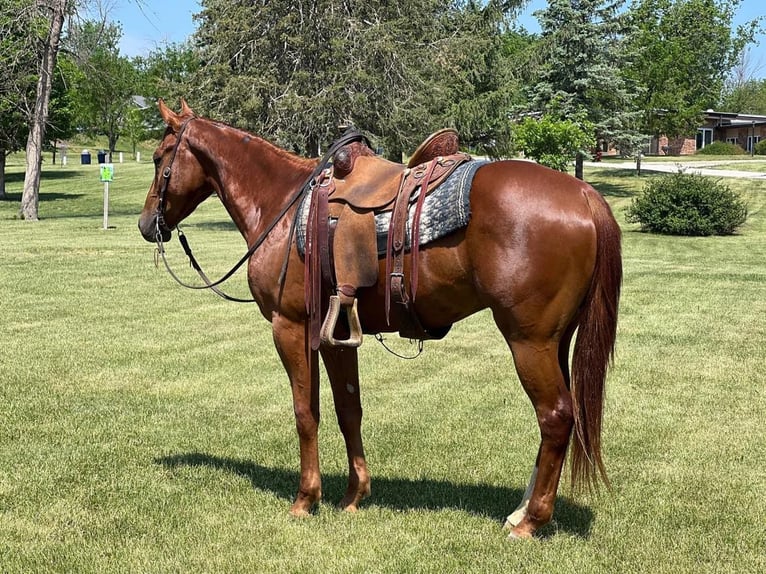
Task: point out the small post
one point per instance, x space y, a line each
106 205
138 157
107 175
120 157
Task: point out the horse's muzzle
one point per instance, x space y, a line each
148 227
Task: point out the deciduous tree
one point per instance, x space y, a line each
55 12
106 82
687 48
20 31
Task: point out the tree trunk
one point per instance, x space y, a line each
2 174
394 153
578 166
30 195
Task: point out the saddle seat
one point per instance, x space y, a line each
358 186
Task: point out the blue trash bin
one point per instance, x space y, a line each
102 156
85 157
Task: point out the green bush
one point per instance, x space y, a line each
760 148
721 148
687 204
552 142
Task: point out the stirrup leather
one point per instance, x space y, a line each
328 326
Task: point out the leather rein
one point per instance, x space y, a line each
349 136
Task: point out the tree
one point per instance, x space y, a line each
581 77
687 49
489 83
168 73
295 71
748 97
20 30
106 81
553 143
743 92
56 11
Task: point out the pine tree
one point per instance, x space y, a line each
583 74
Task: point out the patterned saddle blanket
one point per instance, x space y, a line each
445 210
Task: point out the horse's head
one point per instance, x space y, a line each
179 184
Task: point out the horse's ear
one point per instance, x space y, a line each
185 109
169 116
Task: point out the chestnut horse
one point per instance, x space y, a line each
541 250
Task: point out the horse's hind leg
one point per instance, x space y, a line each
343 371
563 356
543 380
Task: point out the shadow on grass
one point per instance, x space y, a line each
398 493
18 176
11 197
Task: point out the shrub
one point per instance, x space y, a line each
687 204
760 148
551 142
721 148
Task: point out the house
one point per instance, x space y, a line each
744 130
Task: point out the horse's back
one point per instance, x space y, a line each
531 240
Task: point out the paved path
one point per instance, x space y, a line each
700 167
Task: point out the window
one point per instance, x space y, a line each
751 143
732 140
704 137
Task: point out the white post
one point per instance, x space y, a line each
120 157
106 205
63 160
138 156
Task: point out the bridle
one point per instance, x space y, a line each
349 136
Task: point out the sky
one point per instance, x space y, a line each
147 24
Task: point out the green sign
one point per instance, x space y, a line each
107 172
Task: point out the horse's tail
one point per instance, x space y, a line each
594 347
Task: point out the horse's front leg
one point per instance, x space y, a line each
302 366
343 371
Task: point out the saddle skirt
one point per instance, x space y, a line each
445 210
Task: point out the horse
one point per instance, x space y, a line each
541 250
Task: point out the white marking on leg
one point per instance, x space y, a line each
515 517
350 388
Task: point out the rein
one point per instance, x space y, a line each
349 136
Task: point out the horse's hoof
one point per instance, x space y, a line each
513 536
515 518
348 507
299 513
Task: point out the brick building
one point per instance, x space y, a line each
744 130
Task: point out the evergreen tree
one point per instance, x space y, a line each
296 71
582 73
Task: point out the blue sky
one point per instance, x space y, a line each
148 24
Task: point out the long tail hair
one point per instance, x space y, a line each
594 347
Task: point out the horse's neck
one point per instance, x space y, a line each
253 178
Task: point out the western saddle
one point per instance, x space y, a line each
341 244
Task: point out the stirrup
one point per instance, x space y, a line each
355 337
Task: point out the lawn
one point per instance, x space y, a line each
147 428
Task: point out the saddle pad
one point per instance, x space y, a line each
445 209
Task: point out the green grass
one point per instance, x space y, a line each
146 428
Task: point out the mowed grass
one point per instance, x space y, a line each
148 428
